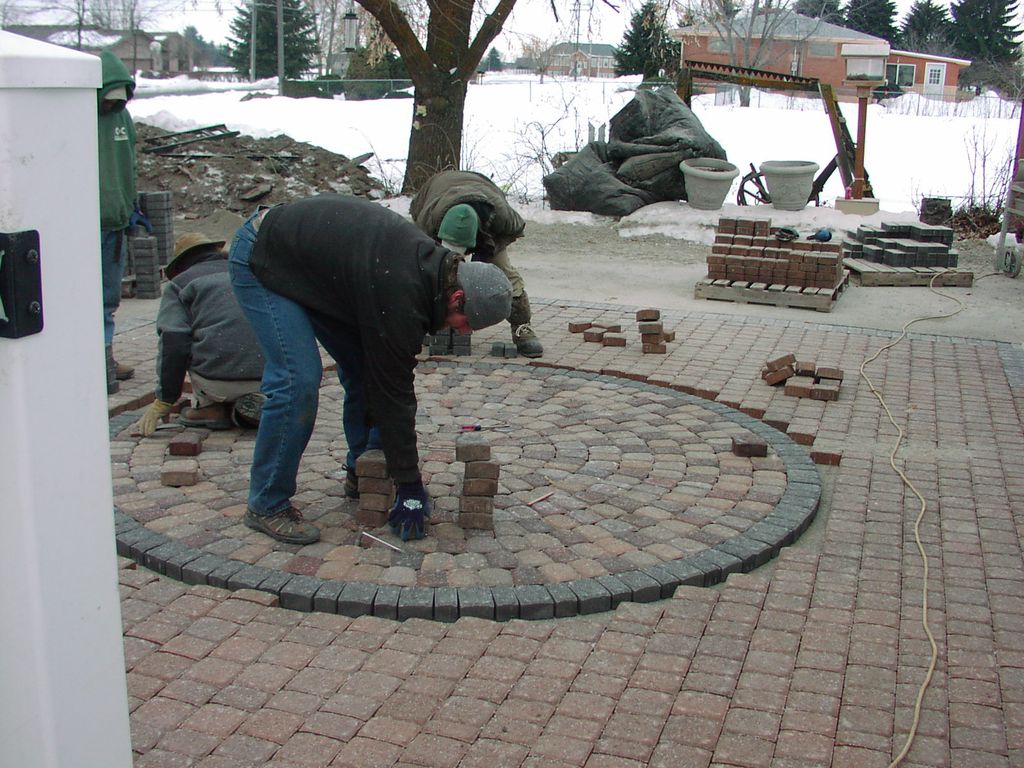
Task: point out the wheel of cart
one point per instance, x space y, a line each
752 190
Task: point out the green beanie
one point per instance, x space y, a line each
459 227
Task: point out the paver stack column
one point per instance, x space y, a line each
63 699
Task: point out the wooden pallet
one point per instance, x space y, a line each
743 292
872 274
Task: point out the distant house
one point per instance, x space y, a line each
924 73
809 47
163 53
581 60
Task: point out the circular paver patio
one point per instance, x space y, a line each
610 490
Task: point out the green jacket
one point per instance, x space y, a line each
448 188
118 166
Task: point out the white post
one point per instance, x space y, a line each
63 699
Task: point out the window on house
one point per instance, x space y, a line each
900 74
717 45
822 50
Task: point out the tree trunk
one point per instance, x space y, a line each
435 141
440 72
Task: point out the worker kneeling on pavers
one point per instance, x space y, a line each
201 330
368 285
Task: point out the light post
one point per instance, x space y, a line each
865 70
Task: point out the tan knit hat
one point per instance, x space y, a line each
183 247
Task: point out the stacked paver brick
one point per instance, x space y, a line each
606 334
803 379
748 250
182 470
653 336
448 342
904 244
479 484
376 491
144 264
157 208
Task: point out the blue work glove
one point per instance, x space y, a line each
412 507
823 235
137 218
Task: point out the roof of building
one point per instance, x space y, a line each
931 57
590 49
790 26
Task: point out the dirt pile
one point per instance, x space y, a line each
236 173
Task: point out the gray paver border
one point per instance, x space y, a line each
742 553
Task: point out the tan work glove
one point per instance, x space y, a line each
157 411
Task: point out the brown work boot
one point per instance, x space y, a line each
526 341
214 416
287 526
123 372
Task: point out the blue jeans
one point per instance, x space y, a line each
287 333
112 262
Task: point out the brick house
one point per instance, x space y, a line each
924 73
165 53
581 59
809 47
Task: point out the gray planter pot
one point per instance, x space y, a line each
789 182
707 181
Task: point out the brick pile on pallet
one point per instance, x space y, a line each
376 491
747 250
479 484
903 244
653 336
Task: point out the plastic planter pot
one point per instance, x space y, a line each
789 182
708 181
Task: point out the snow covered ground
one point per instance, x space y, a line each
513 124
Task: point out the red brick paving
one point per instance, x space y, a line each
813 660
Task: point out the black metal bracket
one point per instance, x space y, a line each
21 284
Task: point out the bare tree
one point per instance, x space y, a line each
329 15
11 13
537 52
440 71
757 35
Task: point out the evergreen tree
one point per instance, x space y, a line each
926 29
206 54
826 10
494 63
646 47
873 17
299 39
983 30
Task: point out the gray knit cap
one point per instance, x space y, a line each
488 294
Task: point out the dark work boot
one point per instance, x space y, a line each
112 385
351 484
526 341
